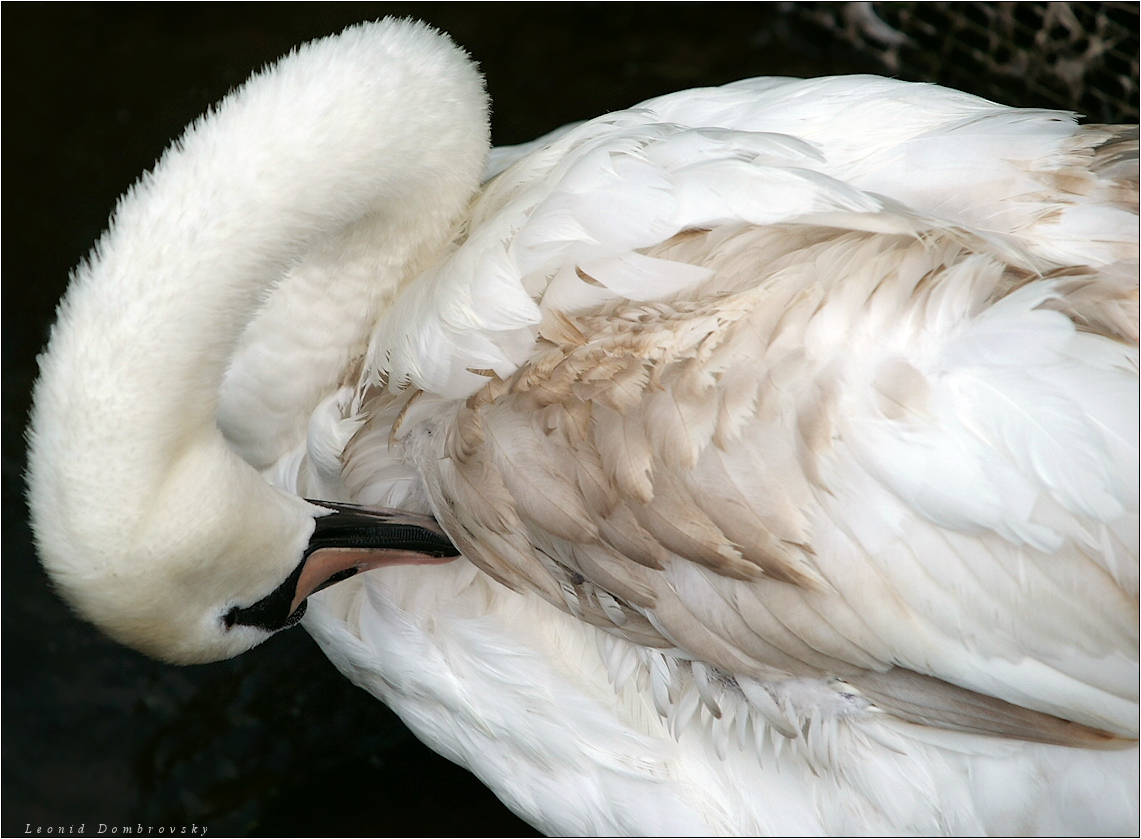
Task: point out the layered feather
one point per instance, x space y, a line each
816 404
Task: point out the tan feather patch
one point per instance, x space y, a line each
663 469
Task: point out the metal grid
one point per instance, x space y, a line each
1078 56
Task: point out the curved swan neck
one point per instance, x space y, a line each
384 128
284 164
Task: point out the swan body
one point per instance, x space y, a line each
787 430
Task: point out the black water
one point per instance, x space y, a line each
275 743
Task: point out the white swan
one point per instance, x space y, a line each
788 431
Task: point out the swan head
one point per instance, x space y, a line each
212 561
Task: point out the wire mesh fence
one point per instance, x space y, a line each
1078 56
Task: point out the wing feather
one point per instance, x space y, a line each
769 401
917 538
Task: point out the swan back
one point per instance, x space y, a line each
844 424
847 150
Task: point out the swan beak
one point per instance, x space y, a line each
352 539
346 540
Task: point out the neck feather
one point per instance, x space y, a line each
372 141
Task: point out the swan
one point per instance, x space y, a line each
759 460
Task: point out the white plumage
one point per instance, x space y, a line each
788 431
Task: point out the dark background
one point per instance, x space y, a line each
277 742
